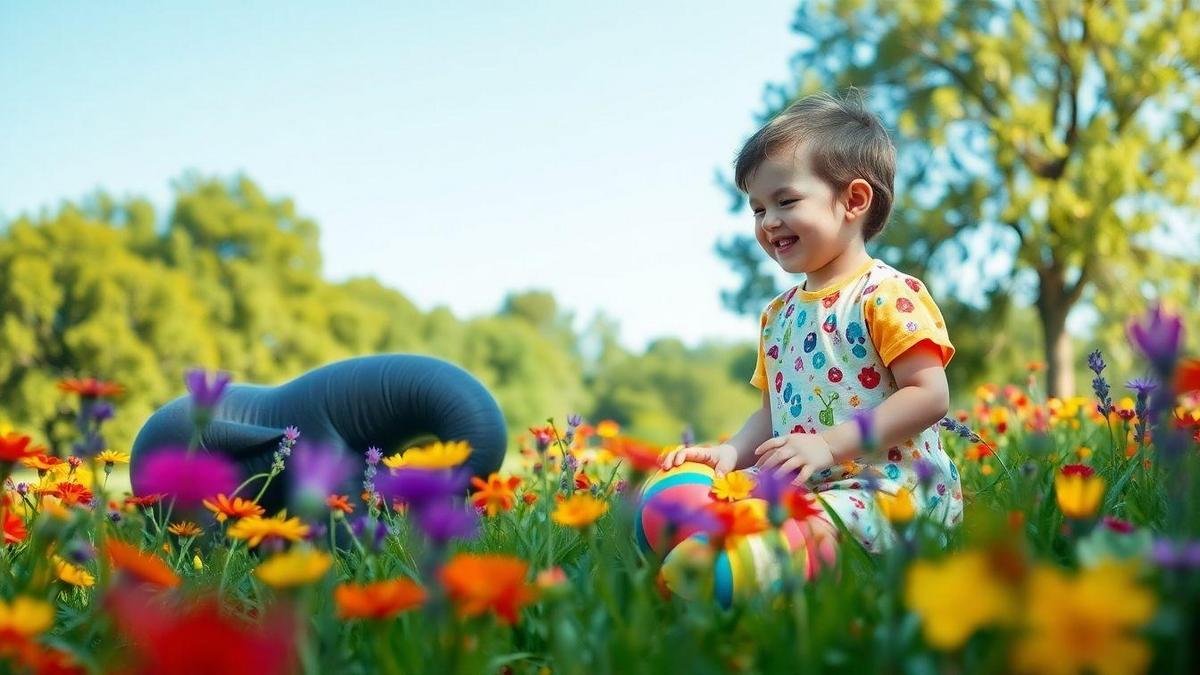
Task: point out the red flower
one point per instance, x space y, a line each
90 387
640 456
835 375
14 527
869 377
72 493
144 500
1081 470
14 447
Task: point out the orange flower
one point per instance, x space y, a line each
640 456
582 482
41 462
1187 376
477 583
143 500
14 527
90 387
380 600
255 529
607 429
496 495
72 493
740 518
15 447
143 566
185 528
529 498
224 507
340 503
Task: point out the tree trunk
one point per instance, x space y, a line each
1053 303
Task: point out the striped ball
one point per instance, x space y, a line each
685 487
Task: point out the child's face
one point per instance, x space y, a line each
798 220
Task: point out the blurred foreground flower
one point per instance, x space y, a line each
417 487
1158 335
90 387
1078 491
206 388
25 616
899 508
479 583
316 472
379 600
1084 623
297 567
189 478
955 597
433 456
141 566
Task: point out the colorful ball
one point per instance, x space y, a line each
682 489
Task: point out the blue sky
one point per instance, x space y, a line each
454 150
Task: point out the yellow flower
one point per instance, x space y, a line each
956 596
1085 623
1083 452
607 429
256 528
197 563
433 456
733 486
1078 490
297 567
899 508
72 574
185 528
579 510
25 616
110 457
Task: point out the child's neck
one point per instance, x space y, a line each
846 263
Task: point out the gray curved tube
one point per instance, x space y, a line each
386 400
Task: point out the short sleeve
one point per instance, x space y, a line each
759 379
899 313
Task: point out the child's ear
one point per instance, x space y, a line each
857 198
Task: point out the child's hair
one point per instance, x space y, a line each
846 142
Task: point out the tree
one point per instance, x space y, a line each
1058 137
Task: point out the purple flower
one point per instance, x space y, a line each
317 471
418 487
206 391
291 433
925 471
688 437
1096 362
446 520
681 516
1158 336
864 419
770 486
22 488
187 477
374 454
1142 386
574 420
101 411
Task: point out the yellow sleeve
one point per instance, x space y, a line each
899 313
759 379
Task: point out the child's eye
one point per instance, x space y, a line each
787 202
759 212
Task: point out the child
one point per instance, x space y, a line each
858 349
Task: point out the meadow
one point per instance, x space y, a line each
1079 552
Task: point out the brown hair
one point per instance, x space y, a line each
846 142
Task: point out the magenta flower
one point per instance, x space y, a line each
189 478
1158 336
206 390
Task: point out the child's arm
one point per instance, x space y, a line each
923 399
737 452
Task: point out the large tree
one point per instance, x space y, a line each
1053 141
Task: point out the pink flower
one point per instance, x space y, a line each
188 477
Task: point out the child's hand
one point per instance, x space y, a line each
723 458
806 453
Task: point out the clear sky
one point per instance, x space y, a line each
455 150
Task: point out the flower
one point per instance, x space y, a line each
297 567
90 388
206 389
899 508
1078 491
110 457
379 600
640 456
477 583
417 487
579 510
1096 362
195 635
1187 376
340 503
72 493
496 495
316 472
444 520
185 528
14 527
41 462
864 420
1142 386
254 529
15 447
737 519
956 596
607 429
1157 335
145 567
1083 623
72 574
436 455
223 507
25 616
189 478
143 500
733 486
291 433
